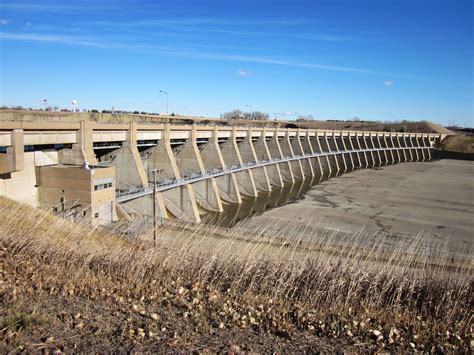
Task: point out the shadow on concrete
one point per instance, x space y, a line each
445 154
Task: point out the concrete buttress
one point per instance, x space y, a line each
231 154
180 201
189 162
338 142
320 146
355 156
83 151
213 158
263 153
316 161
298 145
287 150
331 146
247 152
129 171
14 158
276 152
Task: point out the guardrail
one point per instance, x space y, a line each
198 176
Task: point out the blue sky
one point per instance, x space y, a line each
380 60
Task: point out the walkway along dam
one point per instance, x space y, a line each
104 172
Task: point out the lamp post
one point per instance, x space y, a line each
154 204
250 111
166 93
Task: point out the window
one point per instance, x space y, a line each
96 215
102 184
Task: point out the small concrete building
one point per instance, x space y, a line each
87 193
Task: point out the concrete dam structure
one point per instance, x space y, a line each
106 171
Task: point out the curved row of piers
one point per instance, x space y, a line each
203 169
202 174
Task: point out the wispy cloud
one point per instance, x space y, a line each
86 41
229 26
306 37
388 83
321 37
243 73
4 22
51 8
276 61
50 38
286 113
192 53
202 21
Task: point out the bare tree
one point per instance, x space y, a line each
232 115
257 115
238 114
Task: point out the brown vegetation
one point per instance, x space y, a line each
400 126
461 143
69 288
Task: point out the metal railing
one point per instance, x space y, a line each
198 176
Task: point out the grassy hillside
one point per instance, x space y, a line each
65 287
462 143
406 126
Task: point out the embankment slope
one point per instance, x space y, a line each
68 288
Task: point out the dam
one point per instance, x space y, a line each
108 171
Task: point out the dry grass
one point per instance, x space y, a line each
463 143
204 287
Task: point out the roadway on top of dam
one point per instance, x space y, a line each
198 176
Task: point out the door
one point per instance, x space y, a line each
107 212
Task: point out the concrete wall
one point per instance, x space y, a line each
22 185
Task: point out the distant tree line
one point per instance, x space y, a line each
240 115
305 118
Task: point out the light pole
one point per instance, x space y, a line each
166 93
154 204
250 112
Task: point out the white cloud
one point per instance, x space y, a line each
28 24
286 113
4 22
243 73
388 83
